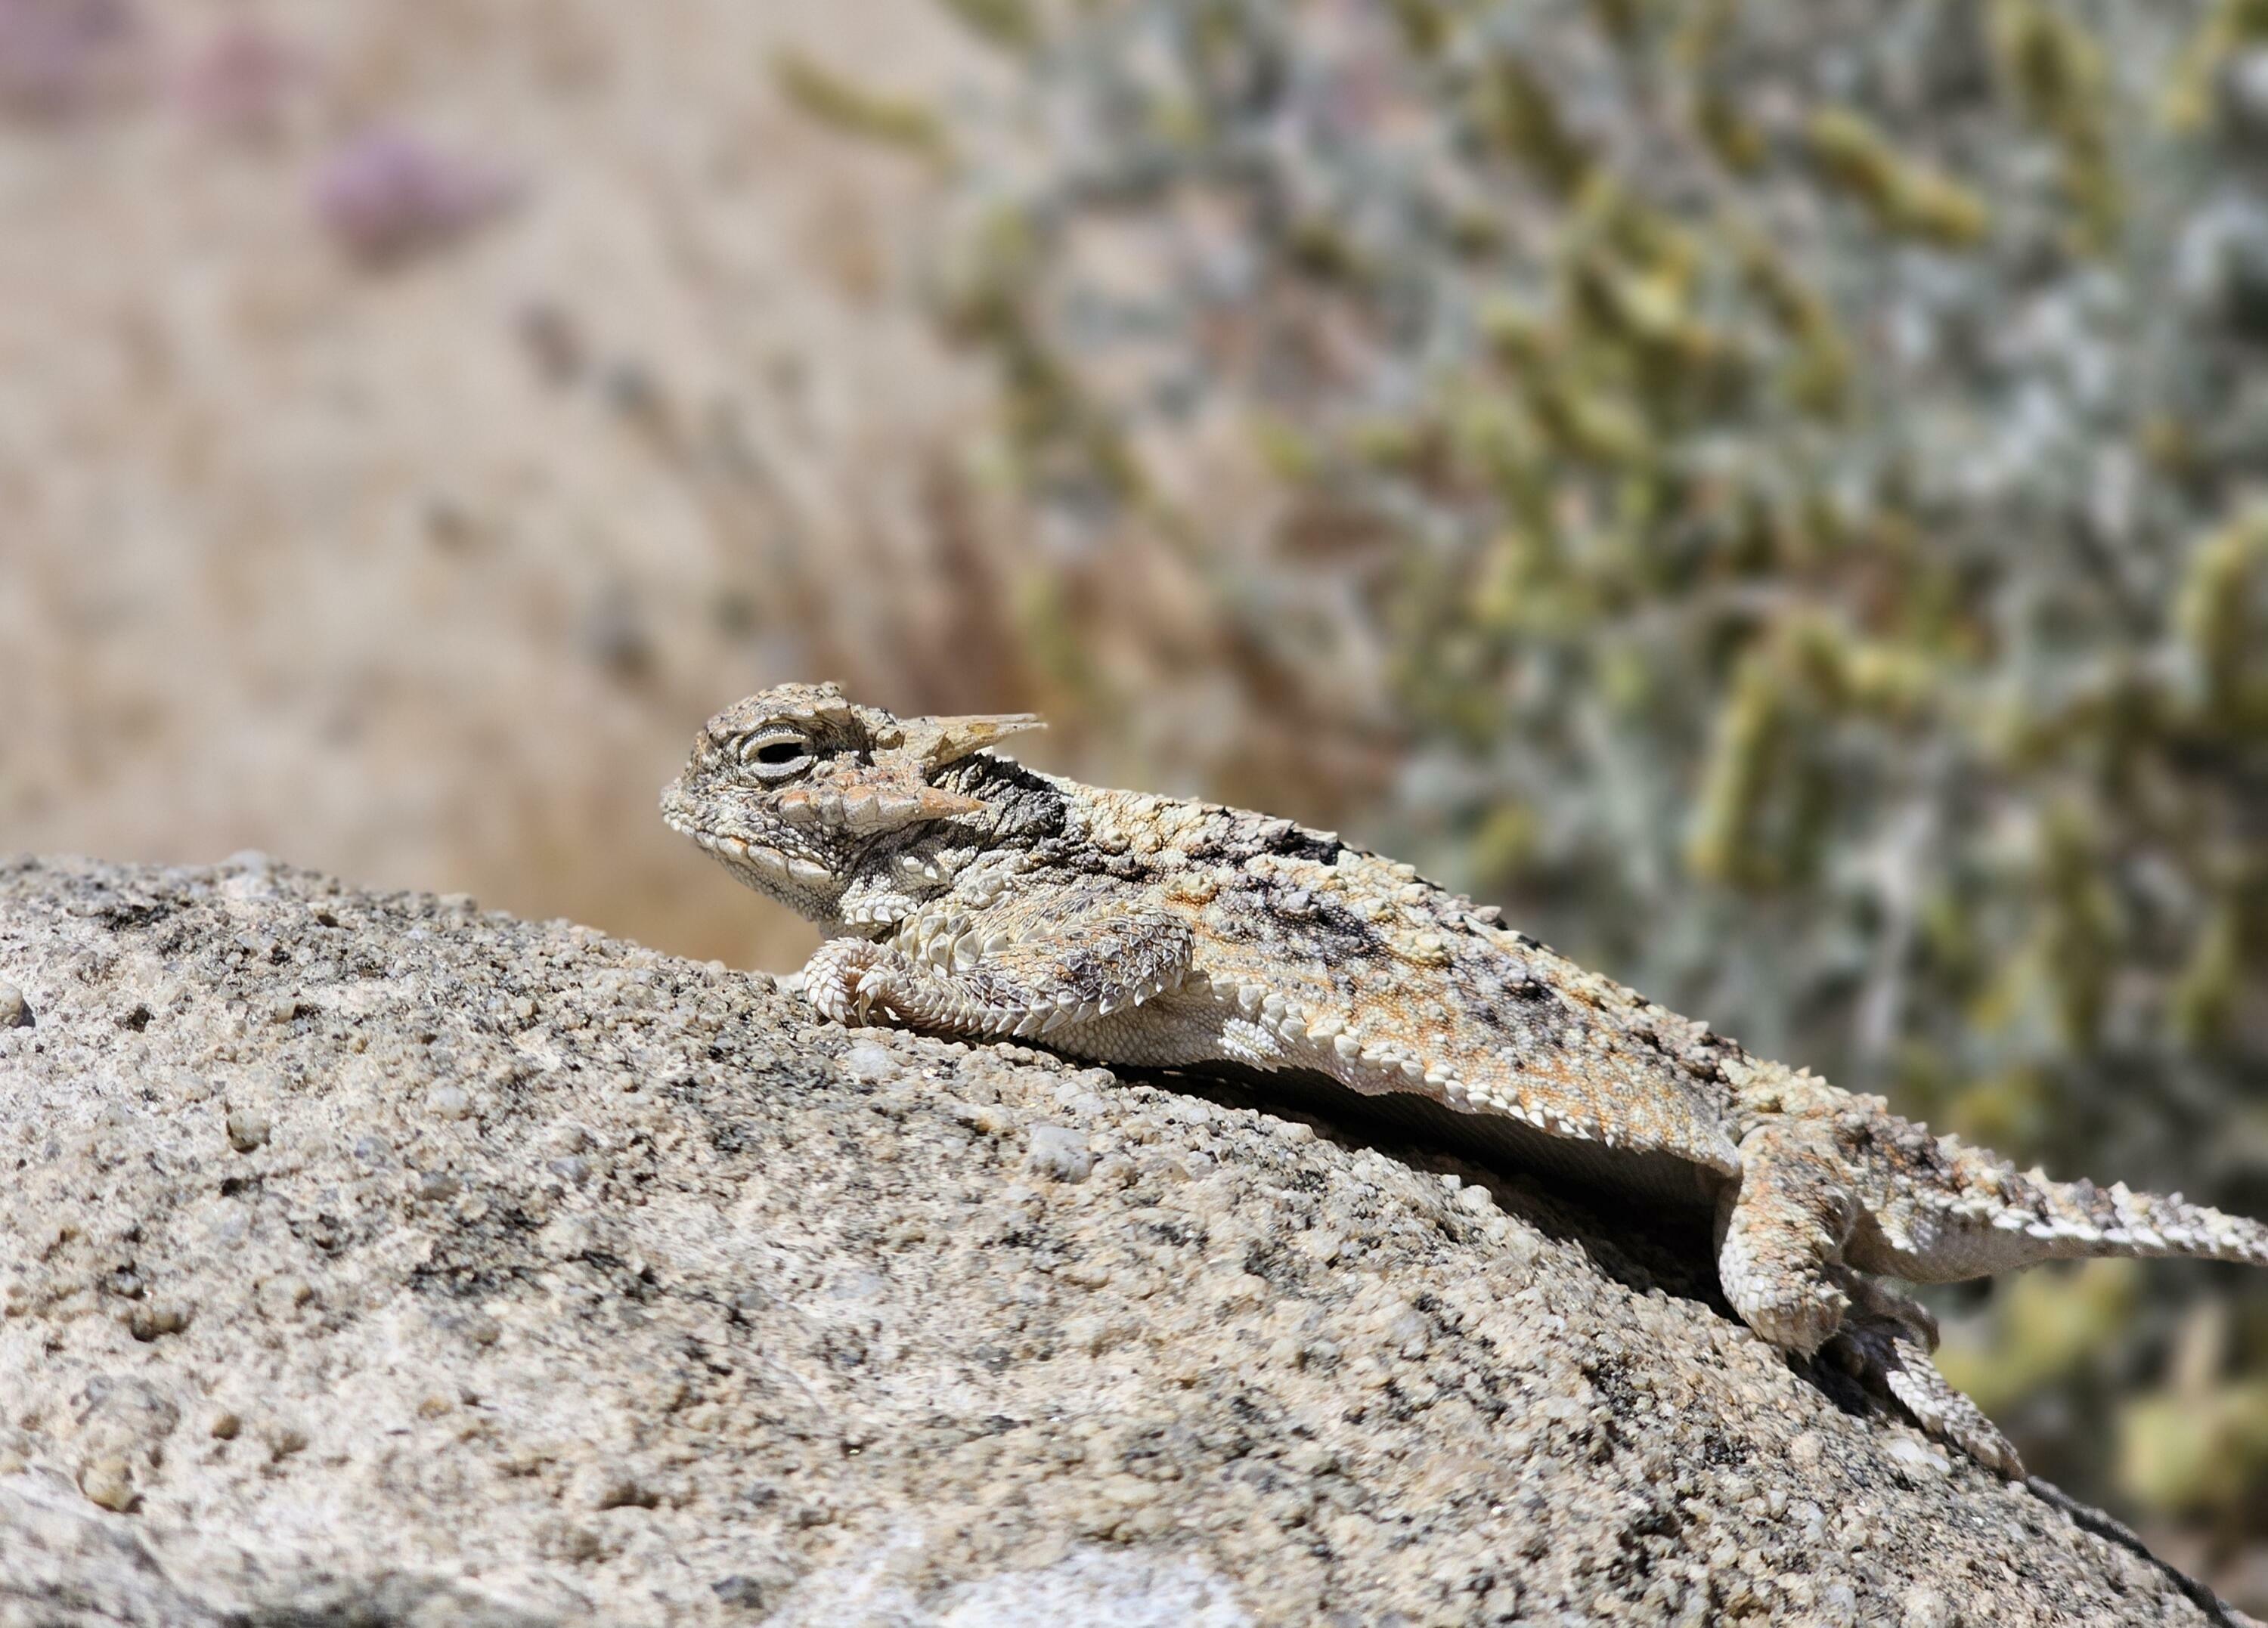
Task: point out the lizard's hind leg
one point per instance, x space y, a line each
1780 1233
1885 1343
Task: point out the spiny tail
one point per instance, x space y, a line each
2075 1219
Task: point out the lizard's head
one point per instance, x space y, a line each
790 787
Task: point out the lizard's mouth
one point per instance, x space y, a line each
676 812
764 867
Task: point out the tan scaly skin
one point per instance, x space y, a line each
967 895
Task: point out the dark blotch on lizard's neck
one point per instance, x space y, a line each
1021 809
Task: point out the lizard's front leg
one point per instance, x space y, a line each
1004 972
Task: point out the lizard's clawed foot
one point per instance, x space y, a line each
1885 1345
849 978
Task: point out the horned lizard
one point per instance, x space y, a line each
968 895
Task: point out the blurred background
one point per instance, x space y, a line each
1775 494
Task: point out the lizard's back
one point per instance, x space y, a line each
1316 958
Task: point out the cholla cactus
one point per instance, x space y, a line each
1781 477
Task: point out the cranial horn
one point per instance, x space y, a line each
936 802
936 742
885 798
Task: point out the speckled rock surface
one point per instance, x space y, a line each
367 1257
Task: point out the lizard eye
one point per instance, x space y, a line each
776 754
